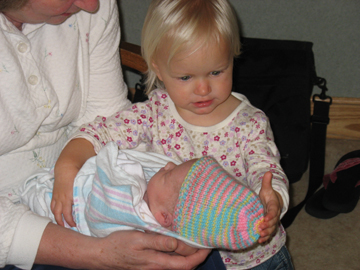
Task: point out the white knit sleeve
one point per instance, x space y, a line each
20 234
107 91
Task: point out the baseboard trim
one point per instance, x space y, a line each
344 119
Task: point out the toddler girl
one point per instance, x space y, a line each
189 47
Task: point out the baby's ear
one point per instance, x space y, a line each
164 218
170 165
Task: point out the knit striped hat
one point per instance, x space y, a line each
215 210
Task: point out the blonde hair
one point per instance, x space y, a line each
184 23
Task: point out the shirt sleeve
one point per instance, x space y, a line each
107 91
20 234
262 155
127 128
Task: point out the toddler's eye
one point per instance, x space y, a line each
215 73
185 78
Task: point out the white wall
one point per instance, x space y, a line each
332 25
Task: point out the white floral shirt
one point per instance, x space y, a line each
243 144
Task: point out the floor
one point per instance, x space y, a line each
319 244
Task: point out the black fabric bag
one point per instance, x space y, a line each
277 77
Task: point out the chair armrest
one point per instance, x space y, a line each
131 56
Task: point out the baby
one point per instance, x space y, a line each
196 201
199 200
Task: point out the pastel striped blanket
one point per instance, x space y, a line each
108 193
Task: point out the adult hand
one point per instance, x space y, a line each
273 204
120 250
151 251
184 249
181 249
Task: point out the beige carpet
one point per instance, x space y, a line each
332 244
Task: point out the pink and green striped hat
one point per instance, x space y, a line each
215 210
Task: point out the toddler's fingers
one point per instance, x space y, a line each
267 234
263 239
58 215
268 231
272 210
69 217
53 207
267 180
271 223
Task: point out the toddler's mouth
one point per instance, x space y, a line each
201 104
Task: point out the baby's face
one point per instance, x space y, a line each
163 188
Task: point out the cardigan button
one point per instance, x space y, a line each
33 79
22 47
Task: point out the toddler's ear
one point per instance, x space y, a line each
164 218
156 69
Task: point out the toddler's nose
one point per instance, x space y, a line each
203 88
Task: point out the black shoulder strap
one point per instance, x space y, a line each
319 122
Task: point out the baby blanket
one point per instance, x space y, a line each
108 193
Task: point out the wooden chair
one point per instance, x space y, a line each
131 58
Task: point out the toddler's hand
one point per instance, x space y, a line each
70 161
62 201
273 204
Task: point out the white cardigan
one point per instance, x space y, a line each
53 78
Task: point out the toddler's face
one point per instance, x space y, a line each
198 81
163 188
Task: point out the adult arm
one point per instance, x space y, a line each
27 238
119 250
105 90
